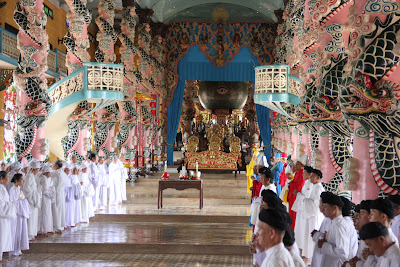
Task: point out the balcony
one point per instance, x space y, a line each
9 55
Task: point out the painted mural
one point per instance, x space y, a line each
346 54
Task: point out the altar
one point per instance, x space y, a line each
214 159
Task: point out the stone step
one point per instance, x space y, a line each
149 238
185 201
208 249
133 218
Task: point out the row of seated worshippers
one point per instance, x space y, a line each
324 231
40 199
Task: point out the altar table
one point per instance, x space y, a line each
179 185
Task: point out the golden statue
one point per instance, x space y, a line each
235 146
193 144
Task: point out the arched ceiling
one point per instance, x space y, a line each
177 10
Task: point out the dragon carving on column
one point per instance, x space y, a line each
325 110
371 93
79 120
106 35
104 125
127 125
29 75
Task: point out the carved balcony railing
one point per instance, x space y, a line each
9 53
92 81
274 86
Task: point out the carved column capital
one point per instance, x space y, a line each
144 15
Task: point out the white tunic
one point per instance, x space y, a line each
124 177
312 219
69 203
8 214
278 256
60 180
271 187
353 237
337 248
93 174
19 227
103 185
370 261
391 258
34 198
77 198
317 255
298 206
87 194
396 225
297 260
115 180
49 196
393 236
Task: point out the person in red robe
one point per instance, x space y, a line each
296 184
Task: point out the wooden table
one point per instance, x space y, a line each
179 185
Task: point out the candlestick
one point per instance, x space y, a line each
165 166
197 166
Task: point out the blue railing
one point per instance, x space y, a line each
91 82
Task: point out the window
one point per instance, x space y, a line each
48 11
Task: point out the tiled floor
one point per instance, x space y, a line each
144 260
141 202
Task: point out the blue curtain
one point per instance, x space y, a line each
195 66
265 129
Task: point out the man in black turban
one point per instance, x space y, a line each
396 221
382 210
377 237
335 246
271 230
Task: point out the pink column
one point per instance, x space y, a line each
326 165
366 185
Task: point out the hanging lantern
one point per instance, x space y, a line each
274 86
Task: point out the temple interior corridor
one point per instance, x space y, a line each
136 233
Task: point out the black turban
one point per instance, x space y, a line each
274 218
384 206
330 198
272 199
357 208
348 207
395 199
373 230
317 172
288 239
366 205
308 169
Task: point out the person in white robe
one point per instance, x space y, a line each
318 235
396 221
298 206
48 190
15 168
69 198
347 211
377 238
271 230
24 169
103 183
335 244
77 187
289 242
19 227
110 183
34 198
115 177
93 174
124 176
60 181
8 214
311 214
361 218
382 210
87 194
